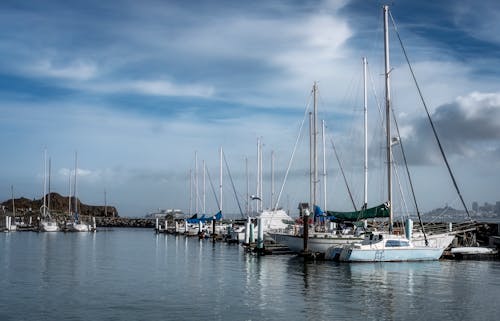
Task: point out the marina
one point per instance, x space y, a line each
368 198
131 274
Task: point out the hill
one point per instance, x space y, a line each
57 204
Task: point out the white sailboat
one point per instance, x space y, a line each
47 223
77 225
321 241
383 247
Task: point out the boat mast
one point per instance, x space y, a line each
48 201
248 186
258 175
272 180
365 109
220 179
315 147
74 186
204 187
44 183
323 136
196 182
388 115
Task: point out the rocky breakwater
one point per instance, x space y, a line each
125 222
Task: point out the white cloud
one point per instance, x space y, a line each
77 70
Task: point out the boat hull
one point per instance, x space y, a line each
49 227
390 255
319 244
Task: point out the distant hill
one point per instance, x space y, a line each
58 204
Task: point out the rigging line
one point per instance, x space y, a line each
294 150
232 183
429 118
409 178
213 189
343 175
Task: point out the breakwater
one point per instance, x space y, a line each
125 222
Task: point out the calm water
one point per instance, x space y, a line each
133 274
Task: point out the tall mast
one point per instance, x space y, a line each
315 146
44 182
261 180
388 115
311 179
323 136
220 178
272 180
48 202
196 182
74 183
190 191
204 187
258 174
365 108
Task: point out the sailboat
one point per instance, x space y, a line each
77 225
319 242
47 223
386 246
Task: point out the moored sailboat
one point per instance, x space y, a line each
387 246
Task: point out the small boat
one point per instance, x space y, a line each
49 226
384 247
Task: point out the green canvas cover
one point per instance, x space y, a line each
373 212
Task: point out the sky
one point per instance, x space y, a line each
138 88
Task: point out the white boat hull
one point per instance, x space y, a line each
49 227
80 227
391 255
319 244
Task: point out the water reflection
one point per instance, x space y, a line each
134 274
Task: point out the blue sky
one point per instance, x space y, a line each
137 87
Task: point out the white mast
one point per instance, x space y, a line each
365 108
311 179
261 180
220 179
204 187
315 146
44 182
258 174
48 201
190 191
323 136
272 180
196 182
388 114
74 186
248 186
